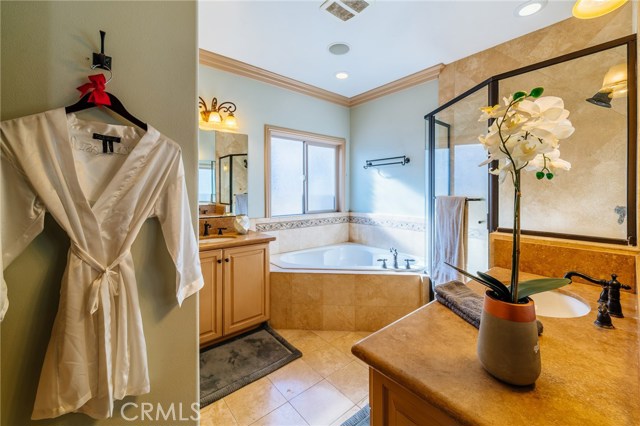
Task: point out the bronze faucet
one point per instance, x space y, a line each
609 300
206 226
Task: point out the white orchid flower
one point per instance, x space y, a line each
504 167
550 161
526 134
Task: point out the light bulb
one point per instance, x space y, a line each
231 121
214 117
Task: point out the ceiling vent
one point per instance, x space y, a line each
344 9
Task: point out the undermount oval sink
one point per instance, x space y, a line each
216 239
559 305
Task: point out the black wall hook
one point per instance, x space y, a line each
100 60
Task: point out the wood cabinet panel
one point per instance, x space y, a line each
235 295
394 405
211 296
246 287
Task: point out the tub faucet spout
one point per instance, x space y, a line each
395 257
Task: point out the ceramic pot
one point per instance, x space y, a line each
508 341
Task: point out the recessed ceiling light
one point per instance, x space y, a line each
339 48
342 75
530 7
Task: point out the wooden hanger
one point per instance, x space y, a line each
116 106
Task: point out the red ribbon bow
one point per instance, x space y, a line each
98 96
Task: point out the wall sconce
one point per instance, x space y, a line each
210 118
588 9
614 86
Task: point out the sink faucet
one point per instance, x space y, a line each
206 226
609 300
395 257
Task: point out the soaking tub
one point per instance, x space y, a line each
346 257
343 287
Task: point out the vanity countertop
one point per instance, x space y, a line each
214 242
590 375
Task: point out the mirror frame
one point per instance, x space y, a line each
493 84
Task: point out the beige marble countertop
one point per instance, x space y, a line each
214 242
590 375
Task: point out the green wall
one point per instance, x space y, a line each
262 103
45 46
391 126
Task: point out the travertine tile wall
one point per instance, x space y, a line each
555 40
226 222
545 255
353 302
554 258
299 233
407 234
293 233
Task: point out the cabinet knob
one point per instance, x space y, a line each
219 260
227 260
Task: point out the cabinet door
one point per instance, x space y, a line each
394 405
246 287
211 296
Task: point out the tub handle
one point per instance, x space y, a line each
384 263
408 265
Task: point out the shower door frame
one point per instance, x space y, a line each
493 84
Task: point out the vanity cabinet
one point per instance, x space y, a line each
394 405
235 296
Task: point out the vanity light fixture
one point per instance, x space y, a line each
588 9
530 7
614 86
615 81
210 119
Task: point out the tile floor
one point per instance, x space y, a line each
323 388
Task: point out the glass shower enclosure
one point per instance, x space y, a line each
596 201
454 154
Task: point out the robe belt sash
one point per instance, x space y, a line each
107 276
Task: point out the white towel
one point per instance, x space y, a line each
450 239
242 204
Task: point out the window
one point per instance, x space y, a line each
304 172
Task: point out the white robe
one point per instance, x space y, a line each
50 163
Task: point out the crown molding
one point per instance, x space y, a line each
236 67
414 79
241 68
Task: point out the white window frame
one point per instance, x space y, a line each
307 139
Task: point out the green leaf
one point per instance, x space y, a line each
501 290
527 288
519 95
539 175
535 93
497 283
549 175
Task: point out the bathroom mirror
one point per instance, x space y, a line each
596 199
592 200
206 182
223 167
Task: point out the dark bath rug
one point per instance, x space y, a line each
232 364
361 418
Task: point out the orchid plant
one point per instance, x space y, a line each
525 135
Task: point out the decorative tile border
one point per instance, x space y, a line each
388 223
304 223
334 220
